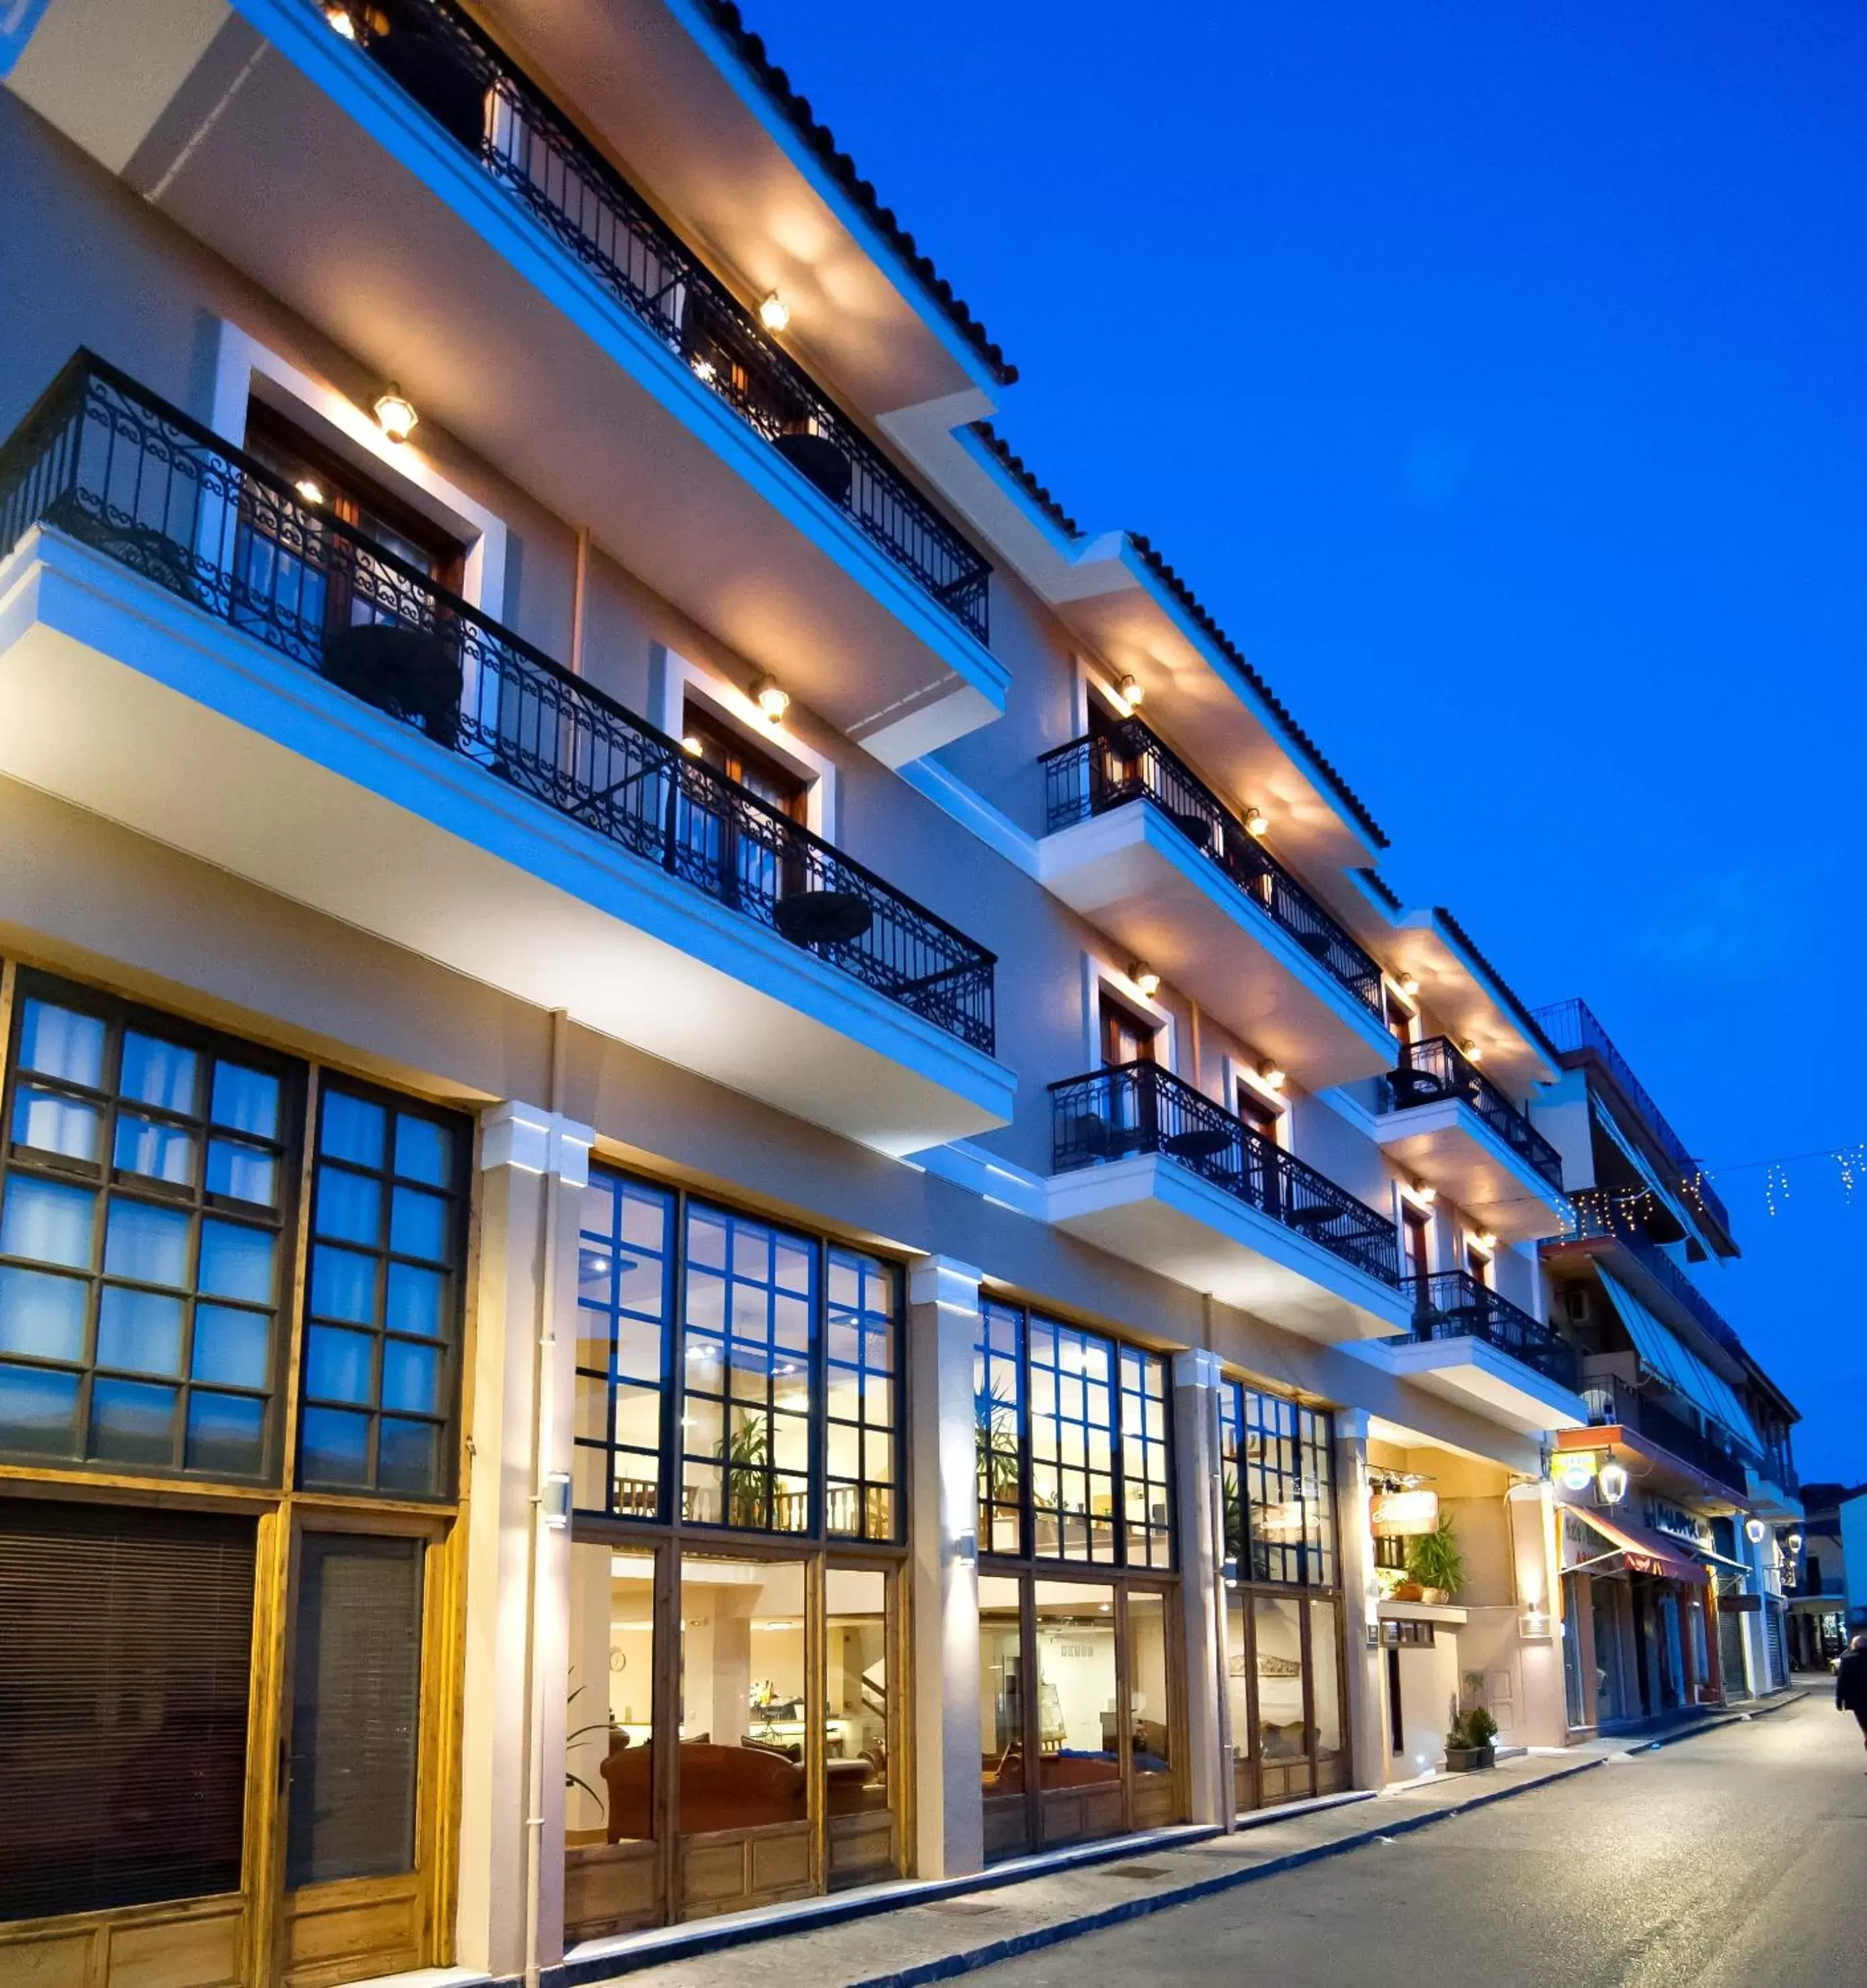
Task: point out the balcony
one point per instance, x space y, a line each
1651 1428
1469 1345
1445 1119
1154 1170
193 650
1576 1033
402 186
1138 842
1594 1219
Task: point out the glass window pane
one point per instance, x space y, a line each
245 1100
351 1128
139 1331
417 1301
1283 1728
608 1760
48 1221
52 1123
153 1149
160 1073
61 1042
236 1262
424 1150
342 1285
408 1458
226 1434
233 1347
339 1365
242 1172
39 1410
418 1224
743 1683
350 1206
411 1376
1326 1687
857 1676
42 1316
1001 1686
149 1244
1077 1729
1149 1690
335 1447
132 1422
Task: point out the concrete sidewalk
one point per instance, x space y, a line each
911 1933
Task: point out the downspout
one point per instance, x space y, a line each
579 598
543 1340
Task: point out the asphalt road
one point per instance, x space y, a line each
1735 1860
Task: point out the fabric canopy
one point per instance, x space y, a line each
1642 1552
1682 1371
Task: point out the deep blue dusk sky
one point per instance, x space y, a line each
1498 376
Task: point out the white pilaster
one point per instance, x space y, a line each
1360 1598
533 1164
943 1324
1211 1789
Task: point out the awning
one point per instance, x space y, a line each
1641 1552
1682 1369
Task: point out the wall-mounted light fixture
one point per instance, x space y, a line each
1147 982
1613 1478
338 20
772 698
774 313
1272 1077
1255 821
313 493
1753 1531
1420 1193
395 414
691 746
1470 1051
556 1501
1485 1241
1408 984
1794 1542
1131 692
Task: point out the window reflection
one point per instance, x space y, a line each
1078 1720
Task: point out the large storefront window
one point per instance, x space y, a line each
237 1336
738 1498
1077 1738
1284 1611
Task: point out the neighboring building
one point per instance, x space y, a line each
1671 1587
1825 1563
683 1222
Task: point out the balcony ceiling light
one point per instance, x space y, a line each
1425 1194
1470 1051
1273 1078
774 699
396 415
1132 691
1146 980
338 19
1485 1240
313 493
1254 822
691 746
774 313
1408 984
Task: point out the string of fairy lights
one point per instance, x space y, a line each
1843 1167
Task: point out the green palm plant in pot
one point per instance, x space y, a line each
748 1453
1434 1561
995 1420
1468 1741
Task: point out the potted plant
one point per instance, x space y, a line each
1434 1561
1469 1742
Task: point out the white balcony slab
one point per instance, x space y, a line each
308 169
1150 1210
1769 1500
1476 1375
1133 874
120 697
1450 1147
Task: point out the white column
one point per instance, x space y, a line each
1534 1540
943 1324
533 1164
1360 1596
1210 1790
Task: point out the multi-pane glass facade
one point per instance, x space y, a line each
388 1214
142 1220
1278 1489
785 1415
1076 1427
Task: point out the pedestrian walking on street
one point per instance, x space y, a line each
1851 1682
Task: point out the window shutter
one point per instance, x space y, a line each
355 1709
126 1649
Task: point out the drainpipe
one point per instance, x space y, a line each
544 1338
579 596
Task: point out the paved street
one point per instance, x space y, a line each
1735 1860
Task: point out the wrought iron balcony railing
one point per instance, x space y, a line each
1113 1114
1593 1216
1127 762
1701 1448
1573 1030
1435 1069
447 63
1453 1304
116 467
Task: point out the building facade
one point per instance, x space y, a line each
724 1175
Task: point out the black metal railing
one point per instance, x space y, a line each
111 464
1778 1467
1573 1029
1453 1304
1698 1447
1113 1114
1432 1071
1127 762
1594 1215
479 96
